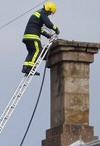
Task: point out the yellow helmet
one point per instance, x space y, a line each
50 6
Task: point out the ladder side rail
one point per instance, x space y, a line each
9 113
10 110
6 118
5 110
14 95
16 100
17 96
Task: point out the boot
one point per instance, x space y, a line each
26 70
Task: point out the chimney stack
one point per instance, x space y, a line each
69 63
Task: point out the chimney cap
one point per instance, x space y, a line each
61 42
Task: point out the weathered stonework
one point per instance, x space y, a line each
66 134
69 90
69 63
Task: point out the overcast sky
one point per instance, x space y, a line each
78 20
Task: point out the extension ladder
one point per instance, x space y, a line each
22 87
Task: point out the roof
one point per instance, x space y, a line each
82 143
93 143
78 143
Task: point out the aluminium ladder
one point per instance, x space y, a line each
22 87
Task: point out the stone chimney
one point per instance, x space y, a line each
69 63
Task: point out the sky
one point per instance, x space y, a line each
77 20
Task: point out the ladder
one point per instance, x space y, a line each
22 87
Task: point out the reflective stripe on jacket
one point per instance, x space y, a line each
35 24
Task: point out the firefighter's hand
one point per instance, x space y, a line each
56 29
48 36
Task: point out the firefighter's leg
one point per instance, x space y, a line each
34 49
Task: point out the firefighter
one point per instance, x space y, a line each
33 32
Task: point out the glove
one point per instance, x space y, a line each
48 36
55 28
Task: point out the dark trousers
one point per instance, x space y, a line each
34 49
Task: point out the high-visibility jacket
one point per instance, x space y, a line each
34 26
